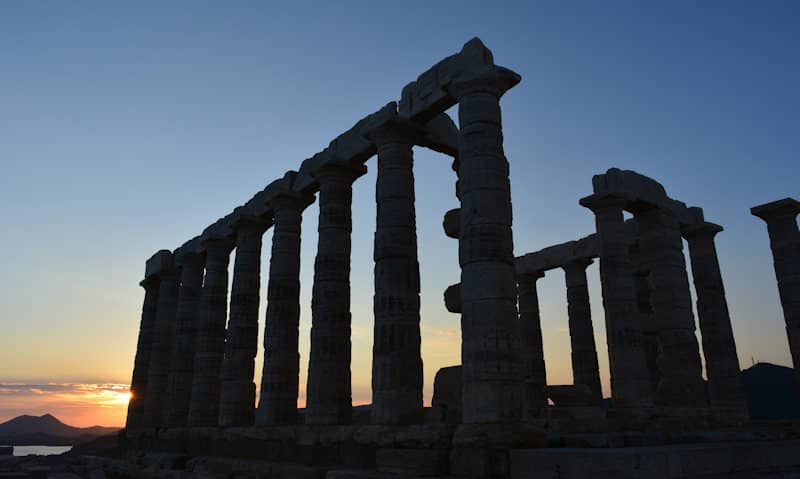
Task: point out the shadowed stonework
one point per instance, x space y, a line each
194 408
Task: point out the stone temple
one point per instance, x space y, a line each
194 410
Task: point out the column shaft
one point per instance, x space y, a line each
585 369
329 398
210 346
678 360
728 401
238 393
183 346
630 382
279 381
784 240
396 351
161 353
534 374
143 349
489 323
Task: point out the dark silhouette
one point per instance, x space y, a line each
47 430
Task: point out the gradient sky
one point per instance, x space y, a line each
125 129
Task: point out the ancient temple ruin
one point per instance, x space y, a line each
193 390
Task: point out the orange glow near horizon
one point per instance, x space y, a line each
79 405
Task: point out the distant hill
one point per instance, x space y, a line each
47 430
771 392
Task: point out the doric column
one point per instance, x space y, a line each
238 393
784 240
144 347
396 353
279 381
192 263
584 353
630 382
489 323
728 402
644 305
534 374
678 360
210 346
329 398
161 352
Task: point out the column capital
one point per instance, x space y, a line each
491 79
577 264
291 200
704 230
598 203
787 207
339 173
245 220
396 131
529 277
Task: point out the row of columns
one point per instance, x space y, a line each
654 357
649 321
190 370
205 374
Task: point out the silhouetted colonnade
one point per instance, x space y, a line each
196 349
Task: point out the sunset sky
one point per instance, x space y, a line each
125 129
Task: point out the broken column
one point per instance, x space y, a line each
784 240
585 369
396 350
630 382
210 346
534 374
238 391
144 344
489 323
329 397
726 394
661 248
192 263
279 381
161 352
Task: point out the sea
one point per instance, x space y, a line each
40 450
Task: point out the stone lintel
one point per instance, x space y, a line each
161 261
642 193
784 207
425 98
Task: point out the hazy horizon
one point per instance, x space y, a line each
126 129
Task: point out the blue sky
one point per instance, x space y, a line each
127 129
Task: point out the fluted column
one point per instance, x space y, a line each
581 333
534 374
279 381
329 398
238 393
396 351
182 364
143 349
630 382
728 401
210 346
678 360
489 323
784 240
161 353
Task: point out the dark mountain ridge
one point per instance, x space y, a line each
47 430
